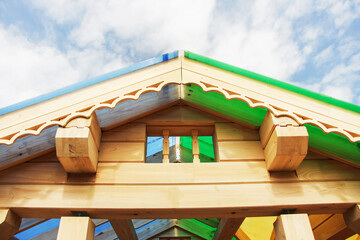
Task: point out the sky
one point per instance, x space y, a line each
49 44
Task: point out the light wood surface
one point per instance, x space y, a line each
227 228
124 229
9 223
286 148
240 151
76 228
352 218
181 173
180 201
333 227
293 227
131 132
122 152
235 132
166 146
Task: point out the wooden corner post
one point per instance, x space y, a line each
77 145
124 228
76 228
293 227
9 223
166 146
195 146
285 143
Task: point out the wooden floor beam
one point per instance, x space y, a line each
124 228
227 228
9 223
76 228
293 227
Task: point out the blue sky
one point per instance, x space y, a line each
45 45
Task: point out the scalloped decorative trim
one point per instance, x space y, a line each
135 95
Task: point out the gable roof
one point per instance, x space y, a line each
198 80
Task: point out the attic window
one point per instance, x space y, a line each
179 149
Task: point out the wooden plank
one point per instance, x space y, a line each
9 223
293 227
317 219
26 148
195 227
335 225
212 222
141 222
235 132
131 132
183 130
155 228
76 150
76 228
124 229
311 155
352 218
227 228
286 148
180 115
240 151
225 117
181 173
122 152
27 223
180 201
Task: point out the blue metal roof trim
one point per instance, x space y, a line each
86 83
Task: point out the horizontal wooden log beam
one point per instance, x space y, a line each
181 173
180 201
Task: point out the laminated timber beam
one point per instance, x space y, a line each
179 200
9 223
77 145
76 228
293 227
124 229
285 143
227 228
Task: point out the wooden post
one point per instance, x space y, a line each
293 227
285 143
352 218
77 145
9 223
124 229
76 228
195 146
166 146
227 228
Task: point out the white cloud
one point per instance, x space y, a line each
270 37
29 69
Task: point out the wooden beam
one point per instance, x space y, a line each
124 228
227 228
285 143
77 145
333 228
76 228
293 227
352 218
9 223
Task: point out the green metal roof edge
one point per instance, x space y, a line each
274 82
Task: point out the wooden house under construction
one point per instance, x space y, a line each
180 147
